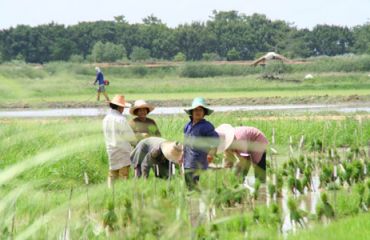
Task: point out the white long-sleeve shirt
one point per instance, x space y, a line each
118 135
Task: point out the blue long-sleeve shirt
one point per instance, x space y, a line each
100 78
199 139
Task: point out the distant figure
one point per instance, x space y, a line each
157 154
241 147
100 80
142 125
118 140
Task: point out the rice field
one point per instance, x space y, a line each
53 184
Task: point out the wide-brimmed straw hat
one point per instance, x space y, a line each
172 151
199 102
119 100
226 132
141 104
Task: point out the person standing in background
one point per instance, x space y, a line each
100 80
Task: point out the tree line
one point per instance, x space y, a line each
227 35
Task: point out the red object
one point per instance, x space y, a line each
106 82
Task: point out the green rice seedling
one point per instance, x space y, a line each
257 186
360 190
296 214
295 185
279 184
325 209
110 218
368 194
326 175
276 217
271 190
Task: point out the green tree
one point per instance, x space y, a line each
233 55
362 39
120 19
297 44
140 54
151 19
107 52
179 57
331 40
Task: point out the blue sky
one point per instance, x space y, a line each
305 13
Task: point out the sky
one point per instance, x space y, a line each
301 13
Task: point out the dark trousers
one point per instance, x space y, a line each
259 169
191 178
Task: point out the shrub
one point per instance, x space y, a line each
140 70
76 58
180 57
199 71
108 52
233 55
210 57
196 70
277 67
140 54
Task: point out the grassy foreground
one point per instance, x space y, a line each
347 228
23 139
43 164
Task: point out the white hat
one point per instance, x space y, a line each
97 69
172 151
141 104
226 133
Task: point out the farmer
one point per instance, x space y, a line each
118 139
243 146
142 125
200 140
157 154
100 80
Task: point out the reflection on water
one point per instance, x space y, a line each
86 112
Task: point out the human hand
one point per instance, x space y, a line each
210 158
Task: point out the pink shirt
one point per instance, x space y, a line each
252 141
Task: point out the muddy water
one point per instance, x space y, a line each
88 112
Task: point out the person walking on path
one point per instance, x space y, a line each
155 153
100 80
200 141
242 147
142 125
118 139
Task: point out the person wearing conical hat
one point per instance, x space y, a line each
100 80
118 139
200 141
242 147
157 154
141 124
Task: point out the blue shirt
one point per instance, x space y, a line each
199 139
100 78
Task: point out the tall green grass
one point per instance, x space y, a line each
43 160
22 139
